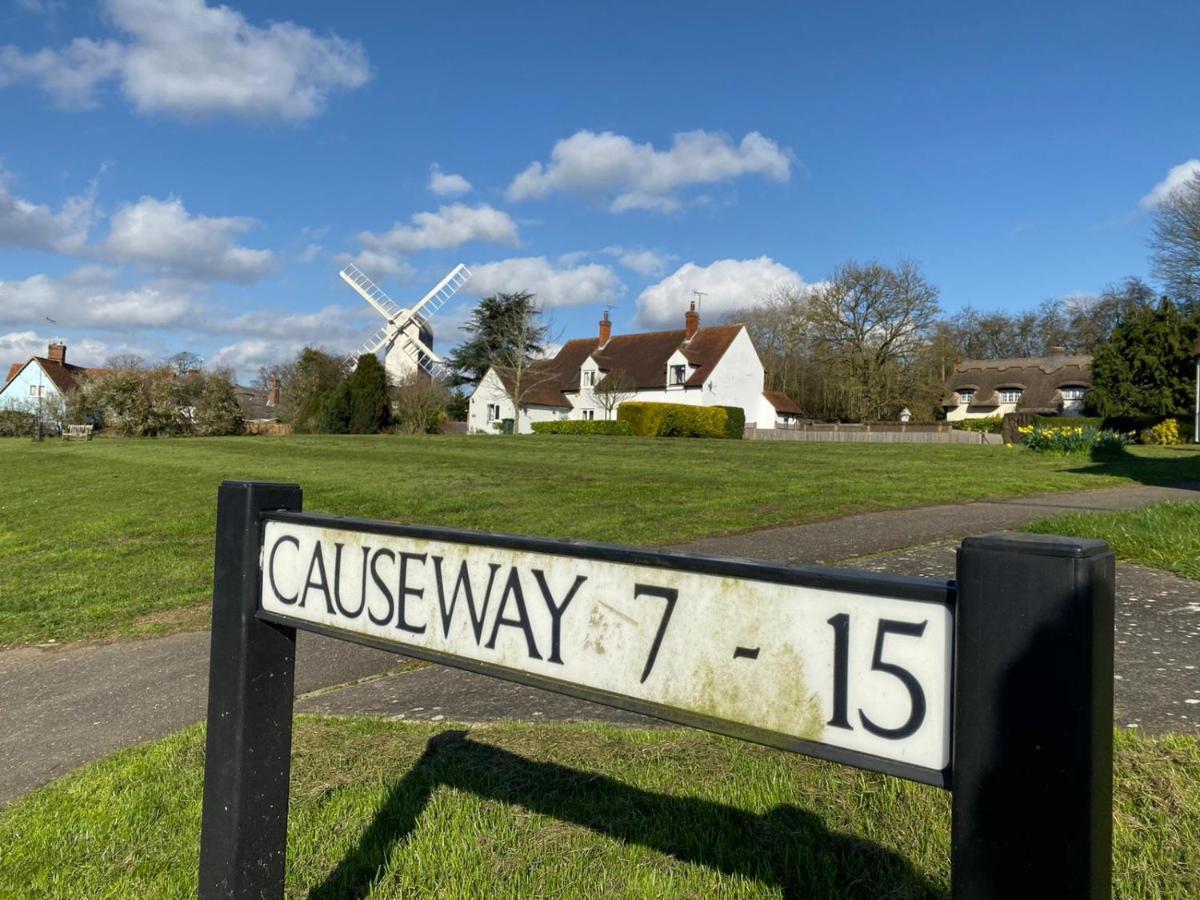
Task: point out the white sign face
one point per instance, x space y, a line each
860 672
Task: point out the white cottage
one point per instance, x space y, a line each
700 366
41 380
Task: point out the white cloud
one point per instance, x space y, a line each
164 235
186 58
18 346
729 285
340 325
1176 178
644 262
637 176
553 287
92 297
310 253
37 227
450 226
245 357
445 184
380 264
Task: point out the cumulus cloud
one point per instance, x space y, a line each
310 253
637 176
644 262
189 59
450 226
553 287
445 184
249 355
162 234
38 227
729 285
340 325
1176 178
18 346
92 297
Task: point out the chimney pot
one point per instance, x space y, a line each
57 352
691 322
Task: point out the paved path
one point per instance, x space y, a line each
62 707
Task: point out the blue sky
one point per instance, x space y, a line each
178 175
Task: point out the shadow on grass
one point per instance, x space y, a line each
1183 471
787 848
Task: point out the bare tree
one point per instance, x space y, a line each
184 362
520 371
868 317
614 389
1176 243
419 403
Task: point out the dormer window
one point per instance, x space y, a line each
1073 393
678 375
589 378
966 396
1010 395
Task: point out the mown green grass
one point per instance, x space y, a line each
114 537
393 810
1161 535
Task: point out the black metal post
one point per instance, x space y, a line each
252 666
1032 791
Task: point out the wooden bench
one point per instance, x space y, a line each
78 433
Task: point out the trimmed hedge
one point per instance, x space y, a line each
674 419
16 423
988 425
583 427
735 422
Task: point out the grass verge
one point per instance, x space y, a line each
111 537
392 810
1161 535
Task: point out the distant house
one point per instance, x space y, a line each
41 381
698 366
257 404
787 413
1055 384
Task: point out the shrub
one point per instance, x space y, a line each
1165 432
674 419
735 422
1072 438
16 423
582 427
989 425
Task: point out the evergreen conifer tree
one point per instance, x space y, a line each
370 407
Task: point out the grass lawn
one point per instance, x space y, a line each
387 810
114 537
1161 535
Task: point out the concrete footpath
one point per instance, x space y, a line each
62 707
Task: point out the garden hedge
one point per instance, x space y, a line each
567 426
735 422
675 420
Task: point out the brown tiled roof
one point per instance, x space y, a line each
642 358
1039 378
782 402
64 375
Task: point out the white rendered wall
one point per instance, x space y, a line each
15 395
491 391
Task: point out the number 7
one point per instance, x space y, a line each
668 594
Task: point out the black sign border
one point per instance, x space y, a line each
899 587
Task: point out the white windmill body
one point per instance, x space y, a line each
406 336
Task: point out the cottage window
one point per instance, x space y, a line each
36 390
589 415
966 397
493 412
589 378
1010 395
1073 393
678 374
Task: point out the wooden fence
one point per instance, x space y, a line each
835 433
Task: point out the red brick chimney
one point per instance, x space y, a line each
605 329
57 352
273 390
691 322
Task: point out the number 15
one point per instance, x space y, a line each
841 666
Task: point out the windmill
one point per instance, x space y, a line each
406 335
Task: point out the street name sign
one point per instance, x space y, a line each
783 655
996 686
